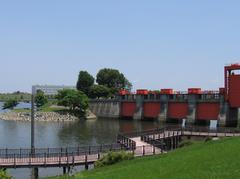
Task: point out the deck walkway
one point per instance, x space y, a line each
149 142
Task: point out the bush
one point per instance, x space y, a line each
10 104
4 175
40 99
207 139
112 158
75 100
185 143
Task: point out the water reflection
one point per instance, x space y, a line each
16 134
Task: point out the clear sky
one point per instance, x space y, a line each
156 44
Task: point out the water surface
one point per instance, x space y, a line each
16 134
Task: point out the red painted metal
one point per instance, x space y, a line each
222 91
194 90
234 90
128 109
151 109
142 92
208 111
123 92
166 91
177 110
227 72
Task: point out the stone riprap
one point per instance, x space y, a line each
42 116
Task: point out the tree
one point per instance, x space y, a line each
113 79
10 104
85 81
98 91
40 98
77 101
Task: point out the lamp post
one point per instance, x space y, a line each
34 170
32 123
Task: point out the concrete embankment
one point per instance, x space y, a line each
105 108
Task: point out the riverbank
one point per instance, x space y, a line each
212 159
43 116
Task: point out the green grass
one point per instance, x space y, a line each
46 108
49 108
213 159
21 110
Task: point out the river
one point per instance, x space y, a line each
16 134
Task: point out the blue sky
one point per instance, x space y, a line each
156 44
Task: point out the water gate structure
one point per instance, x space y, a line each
195 106
166 105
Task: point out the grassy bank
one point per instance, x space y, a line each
49 107
213 159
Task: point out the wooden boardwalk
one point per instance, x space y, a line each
168 133
149 142
17 161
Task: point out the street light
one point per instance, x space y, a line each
32 123
34 170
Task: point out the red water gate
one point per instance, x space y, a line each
151 109
128 109
234 90
177 110
208 111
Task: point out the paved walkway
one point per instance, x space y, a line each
143 148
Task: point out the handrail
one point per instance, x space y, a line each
124 141
67 151
177 127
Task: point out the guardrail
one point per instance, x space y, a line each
126 142
63 152
171 135
159 140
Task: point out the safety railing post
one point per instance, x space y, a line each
14 156
45 158
73 158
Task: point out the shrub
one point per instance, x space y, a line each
112 158
4 175
207 139
185 143
10 104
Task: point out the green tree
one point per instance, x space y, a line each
113 79
40 98
10 104
85 81
98 91
77 101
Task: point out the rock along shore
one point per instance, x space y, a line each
43 116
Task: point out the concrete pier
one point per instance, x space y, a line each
105 108
162 117
222 118
192 105
139 108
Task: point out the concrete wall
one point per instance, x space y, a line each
105 108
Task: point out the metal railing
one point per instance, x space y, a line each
126 142
89 154
63 152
